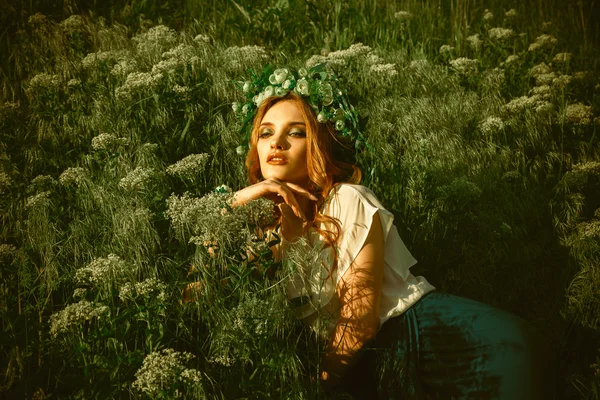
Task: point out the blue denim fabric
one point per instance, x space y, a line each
450 347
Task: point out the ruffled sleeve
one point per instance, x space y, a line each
355 206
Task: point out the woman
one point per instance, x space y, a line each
390 334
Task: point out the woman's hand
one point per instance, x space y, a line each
284 195
276 190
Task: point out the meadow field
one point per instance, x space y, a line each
125 273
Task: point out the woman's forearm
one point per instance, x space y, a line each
344 347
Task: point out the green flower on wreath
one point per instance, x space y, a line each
340 124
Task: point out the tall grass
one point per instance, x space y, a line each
113 137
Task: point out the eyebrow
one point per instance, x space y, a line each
289 124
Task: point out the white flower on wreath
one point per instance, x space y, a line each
247 86
245 109
235 106
321 117
279 91
280 75
268 92
302 72
340 124
287 84
302 87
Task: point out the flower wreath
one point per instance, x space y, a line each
319 87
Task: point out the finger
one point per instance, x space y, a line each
300 190
290 199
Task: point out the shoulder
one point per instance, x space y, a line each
347 200
353 193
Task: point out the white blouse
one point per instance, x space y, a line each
353 206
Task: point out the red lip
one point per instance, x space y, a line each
278 155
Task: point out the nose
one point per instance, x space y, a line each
277 142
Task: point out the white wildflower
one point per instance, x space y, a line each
544 109
561 81
500 33
543 41
511 59
148 148
522 103
543 91
72 176
446 49
487 15
202 38
93 60
511 13
74 84
75 314
189 167
240 57
7 250
583 76
155 40
386 69
137 179
561 58
545 79
74 23
341 57
148 289
44 81
181 90
222 360
40 182
175 59
539 69
589 229
464 65
318 59
403 15
140 80
124 67
39 200
491 125
107 141
162 370
374 59
103 271
79 293
494 78
418 64
5 181
474 42
579 114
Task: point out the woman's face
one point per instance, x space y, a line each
282 144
